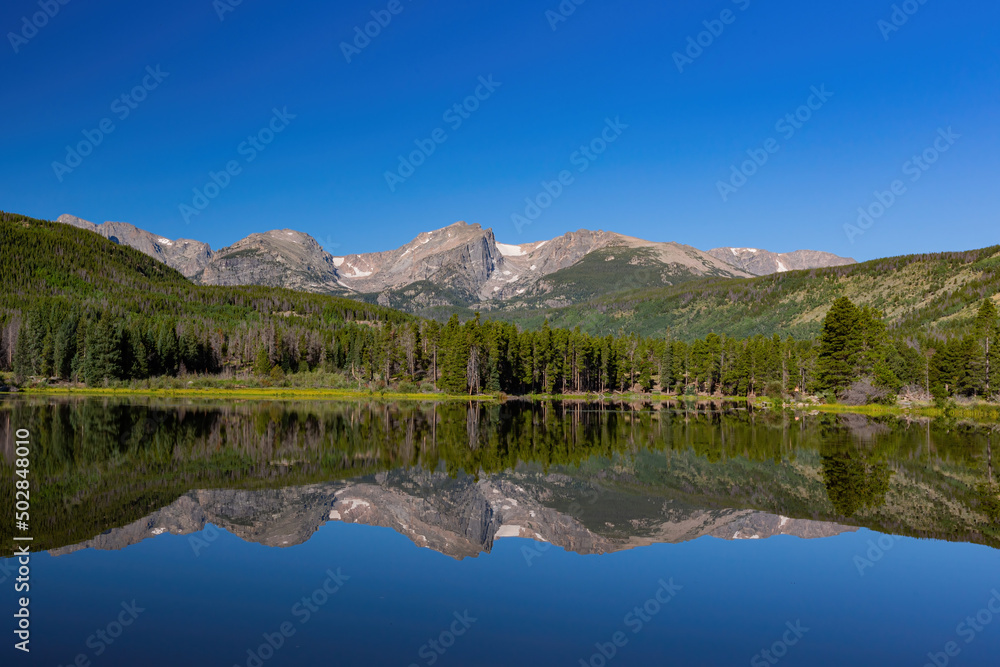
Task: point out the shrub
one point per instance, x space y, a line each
864 392
774 390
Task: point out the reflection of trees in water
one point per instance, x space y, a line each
989 495
105 461
989 454
359 437
854 456
854 482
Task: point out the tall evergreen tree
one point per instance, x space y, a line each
453 368
103 353
986 351
838 345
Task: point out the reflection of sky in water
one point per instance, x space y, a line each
736 600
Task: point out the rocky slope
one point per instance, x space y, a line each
188 257
461 259
279 258
763 262
465 265
459 266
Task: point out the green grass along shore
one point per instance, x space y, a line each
984 412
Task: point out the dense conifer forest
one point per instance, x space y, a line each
76 307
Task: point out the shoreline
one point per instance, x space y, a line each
981 411
271 393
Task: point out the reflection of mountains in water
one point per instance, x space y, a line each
458 517
626 471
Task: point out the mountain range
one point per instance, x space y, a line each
460 266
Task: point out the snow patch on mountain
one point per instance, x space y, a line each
511 250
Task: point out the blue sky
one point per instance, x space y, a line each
556 85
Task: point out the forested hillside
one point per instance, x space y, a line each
92 309
77 307
939 291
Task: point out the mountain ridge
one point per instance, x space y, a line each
764 262
458 266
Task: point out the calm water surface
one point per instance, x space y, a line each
318 533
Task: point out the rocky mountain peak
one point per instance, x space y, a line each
764 262
461 264
278 258
460 258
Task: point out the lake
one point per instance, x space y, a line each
253 533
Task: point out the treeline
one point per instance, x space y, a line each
76 307
855 353
62 342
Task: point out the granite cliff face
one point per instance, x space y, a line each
459 259
460 518
763 262
465 265
279 258
462 265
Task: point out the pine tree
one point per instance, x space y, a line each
455 361
984 365
138 358
103 353
46 354
872 342
838 345
168 349
666 363
262 362
65 348
22 355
